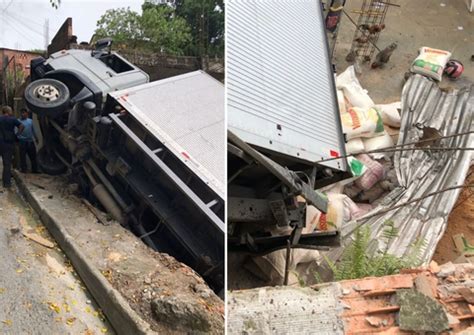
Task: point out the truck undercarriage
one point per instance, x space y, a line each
123 167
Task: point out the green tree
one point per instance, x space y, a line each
206 19
157 29
165 31
122 24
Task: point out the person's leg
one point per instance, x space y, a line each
23 152
2 154
7 164
32 155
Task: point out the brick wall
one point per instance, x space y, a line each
22 59
63 38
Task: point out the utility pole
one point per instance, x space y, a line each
46 34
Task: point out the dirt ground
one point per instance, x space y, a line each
442 24
141 275
461 221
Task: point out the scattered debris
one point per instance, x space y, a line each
38 239
178 312
467 294
99 215
446 270
389 304
420 313
8 322
374 321
54 265
427 285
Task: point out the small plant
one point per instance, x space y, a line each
355 263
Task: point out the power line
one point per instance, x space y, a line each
6 7
26 26
25 18
394 148
22 34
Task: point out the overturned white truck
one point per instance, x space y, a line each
151 154
283 118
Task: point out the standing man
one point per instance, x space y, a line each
27 142
7 142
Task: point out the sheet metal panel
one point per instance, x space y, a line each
420 173
280 86
186 113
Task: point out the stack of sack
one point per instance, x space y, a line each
367 127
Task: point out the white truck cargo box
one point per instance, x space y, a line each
281 94
192 128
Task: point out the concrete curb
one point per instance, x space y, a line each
123 319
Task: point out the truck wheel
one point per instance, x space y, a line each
47 97
49 163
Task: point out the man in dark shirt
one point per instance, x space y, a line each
7 142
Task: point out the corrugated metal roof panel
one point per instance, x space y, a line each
424 104
281 94
186 113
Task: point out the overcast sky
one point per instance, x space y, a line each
22 21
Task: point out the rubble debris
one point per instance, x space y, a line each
446 270
434 267
420 313
179 312
467 294
390 304
426 284
285 310
38 239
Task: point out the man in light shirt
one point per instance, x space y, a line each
27 141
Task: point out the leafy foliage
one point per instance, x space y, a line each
206 19
39 51
122 24
191 27
355 263
156 29
55 3
164 31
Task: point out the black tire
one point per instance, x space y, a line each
48 97
49 163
